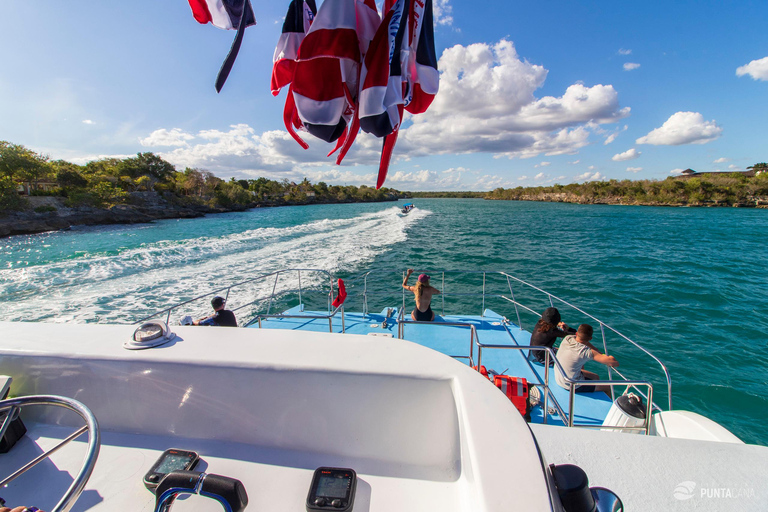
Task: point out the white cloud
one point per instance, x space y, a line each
634 169
589 176
683 128
629 66
487 104
521 178
733 167
721 160
757 69
574 162
612 137
676 171
622 51
629 154
541 176
443 12
591 167
163 137
88 121
543 164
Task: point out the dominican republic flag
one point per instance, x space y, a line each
228 15
423 77
326 77
224 14
297 23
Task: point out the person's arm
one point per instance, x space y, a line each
209 320
605 359
405 280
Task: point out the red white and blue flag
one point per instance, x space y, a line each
297 23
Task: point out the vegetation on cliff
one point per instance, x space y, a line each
109 182
707 189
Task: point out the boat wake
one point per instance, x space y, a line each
126 284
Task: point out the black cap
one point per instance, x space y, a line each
217 302
551 316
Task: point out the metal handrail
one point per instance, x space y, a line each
550 297
13 406
329 317
167 311
573 384
402 322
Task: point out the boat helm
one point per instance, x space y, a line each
149 335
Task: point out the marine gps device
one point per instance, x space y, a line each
332 489
170 460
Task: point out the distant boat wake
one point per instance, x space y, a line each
133 282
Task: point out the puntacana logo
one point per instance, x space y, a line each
684 490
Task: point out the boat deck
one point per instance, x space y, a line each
455 341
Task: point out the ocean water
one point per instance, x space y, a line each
688 284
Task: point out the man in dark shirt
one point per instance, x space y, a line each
221 317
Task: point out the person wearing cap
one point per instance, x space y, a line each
546 331
221 317
423 293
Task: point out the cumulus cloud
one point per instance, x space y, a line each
163 137
634 169
574 162
683 128
543 164
721 160
88 121
487 104
629 66
629 154
589 176
757 69
676 171
622 51
443 12
733 167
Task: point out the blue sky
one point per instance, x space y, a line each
531 93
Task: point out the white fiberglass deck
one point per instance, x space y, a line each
268 407
454 341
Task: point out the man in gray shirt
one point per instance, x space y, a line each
574 352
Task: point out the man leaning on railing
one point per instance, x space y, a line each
573 354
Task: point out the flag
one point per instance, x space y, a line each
297 23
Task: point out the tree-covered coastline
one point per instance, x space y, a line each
140 189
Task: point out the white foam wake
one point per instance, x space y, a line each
131 283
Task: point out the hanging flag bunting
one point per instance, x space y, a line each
297 23
347 69
227 15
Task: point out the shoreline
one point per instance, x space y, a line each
46 213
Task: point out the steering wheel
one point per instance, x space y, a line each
14 405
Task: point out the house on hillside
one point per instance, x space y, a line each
26 188
690 173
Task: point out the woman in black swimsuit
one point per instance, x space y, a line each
423 293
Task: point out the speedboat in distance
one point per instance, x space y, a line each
330 397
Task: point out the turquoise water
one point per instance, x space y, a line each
688 284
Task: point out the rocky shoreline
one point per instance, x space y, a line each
50 213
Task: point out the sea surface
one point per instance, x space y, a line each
688 284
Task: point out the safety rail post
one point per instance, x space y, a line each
301 303
482 313
546 385
168 318
442 296
605 351
517 311
403 290
571 398
343 326
365 295
274 287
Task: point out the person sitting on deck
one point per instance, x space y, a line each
546 331
574 352
423 293
221 317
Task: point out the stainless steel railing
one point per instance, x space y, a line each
402 322
568 418
509 279
262 277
